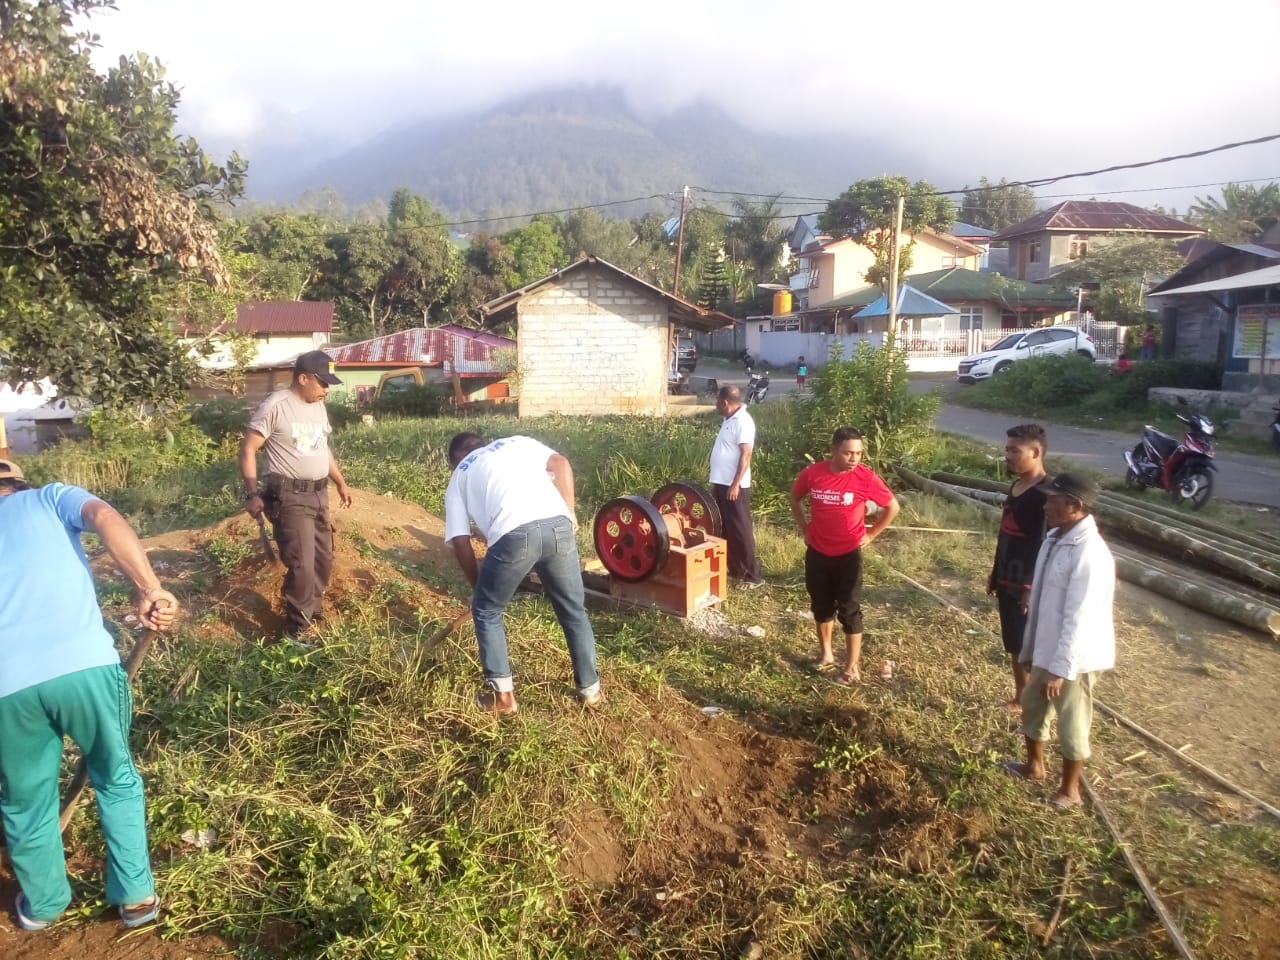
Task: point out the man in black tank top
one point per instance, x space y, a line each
1021 533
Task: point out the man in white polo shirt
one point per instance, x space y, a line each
519 494
731 484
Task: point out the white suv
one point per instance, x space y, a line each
1041 342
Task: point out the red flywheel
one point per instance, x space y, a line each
631 538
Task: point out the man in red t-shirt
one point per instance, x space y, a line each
838 489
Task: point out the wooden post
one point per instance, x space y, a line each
893 266
675 283
4 440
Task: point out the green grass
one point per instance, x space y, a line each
365 809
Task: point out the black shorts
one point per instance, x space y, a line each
835 587
1013 622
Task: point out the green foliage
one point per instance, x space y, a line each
222 420
124 450
1241 215
101 208
871 392
228 554
1124 267
865 212
342 411
997 205
536 250
427 400
1074 383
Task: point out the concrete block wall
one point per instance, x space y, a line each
593 344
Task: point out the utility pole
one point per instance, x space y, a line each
675 284
893 266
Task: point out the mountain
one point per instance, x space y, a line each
567 148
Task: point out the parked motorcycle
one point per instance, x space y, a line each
1185 470
757 386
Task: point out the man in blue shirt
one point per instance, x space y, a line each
60 676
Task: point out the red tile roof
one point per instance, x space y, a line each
285 316
1097 216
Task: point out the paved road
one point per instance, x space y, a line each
1240 476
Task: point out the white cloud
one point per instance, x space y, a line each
1002 88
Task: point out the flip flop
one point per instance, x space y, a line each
1014 768
823 666
846 679
1063 803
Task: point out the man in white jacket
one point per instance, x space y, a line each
1070 637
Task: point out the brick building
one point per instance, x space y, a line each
593 339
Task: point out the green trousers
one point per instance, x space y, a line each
93 708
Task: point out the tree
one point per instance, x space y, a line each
294 251
997 205
426 261
755 236
535 251
101 208
713 284
865 213
1243 213
1123 266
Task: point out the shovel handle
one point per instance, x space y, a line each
132 664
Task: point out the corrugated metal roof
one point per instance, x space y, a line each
1204 254
968 230
911 303
421 346
285 316
1101 216
1266 277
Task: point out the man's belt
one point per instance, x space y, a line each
280 484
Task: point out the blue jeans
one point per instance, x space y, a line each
548 547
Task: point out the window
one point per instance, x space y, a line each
1062 334
1039 338
970 318
1079 247
786 324
1033 251
813 275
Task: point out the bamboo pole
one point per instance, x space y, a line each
1166 918
1206 578
1199 597
929 486
1196 764
1236 609
1258 542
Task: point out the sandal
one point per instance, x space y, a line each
137 914
823 666
846 678
20 907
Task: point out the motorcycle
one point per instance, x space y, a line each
757 386
746 360
1185 470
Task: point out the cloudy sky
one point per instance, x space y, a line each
1000 88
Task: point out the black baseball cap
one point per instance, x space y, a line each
10 471
1077 486
317 363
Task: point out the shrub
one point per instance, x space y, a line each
428 400
223 419
1131 389
124 449
342 410
869 391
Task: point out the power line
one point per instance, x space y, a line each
790 199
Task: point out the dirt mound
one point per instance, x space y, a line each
231 588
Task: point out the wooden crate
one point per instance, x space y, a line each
691 579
